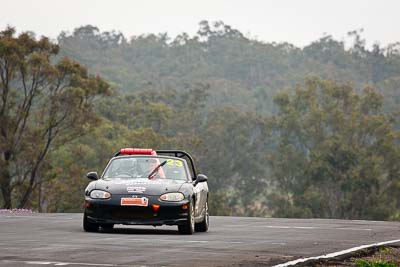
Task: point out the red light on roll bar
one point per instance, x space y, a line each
137 151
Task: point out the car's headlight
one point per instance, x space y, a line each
100 194
172 197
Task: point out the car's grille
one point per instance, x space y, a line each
133 213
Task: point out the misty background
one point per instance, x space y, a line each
296 22
290 108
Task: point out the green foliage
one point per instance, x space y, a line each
375 263
240 71
326 147
385 250
43 106
63 193
336 155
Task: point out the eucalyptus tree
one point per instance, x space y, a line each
337 153
43 105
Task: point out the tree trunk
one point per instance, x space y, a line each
5 180
26 196
40 195
6 194
32 179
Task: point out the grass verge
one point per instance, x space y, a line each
388 256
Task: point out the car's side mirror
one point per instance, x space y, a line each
201 178
92 176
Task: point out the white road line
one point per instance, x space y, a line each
312 227
56 263
15 216
338 253
238 225
37 217
166 240
277 227
354 229
173 241
289 227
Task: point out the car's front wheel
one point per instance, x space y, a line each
89 226
188 227
203 225
107 227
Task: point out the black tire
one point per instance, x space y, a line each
188 227
89 226
203 225
107 227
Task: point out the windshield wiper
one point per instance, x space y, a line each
150 176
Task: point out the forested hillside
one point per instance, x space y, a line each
280 130
240 72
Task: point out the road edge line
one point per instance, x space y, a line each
338 253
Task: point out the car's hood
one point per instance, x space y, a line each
123 186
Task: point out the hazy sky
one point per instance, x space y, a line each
296 21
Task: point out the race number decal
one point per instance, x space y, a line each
177 163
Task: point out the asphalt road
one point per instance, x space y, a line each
58 240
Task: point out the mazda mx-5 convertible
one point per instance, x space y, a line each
147 187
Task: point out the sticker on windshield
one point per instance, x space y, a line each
177 163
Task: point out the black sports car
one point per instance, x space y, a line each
148 187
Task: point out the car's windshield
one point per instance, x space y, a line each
146 167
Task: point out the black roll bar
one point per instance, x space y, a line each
180 154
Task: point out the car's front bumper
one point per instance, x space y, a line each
111 212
